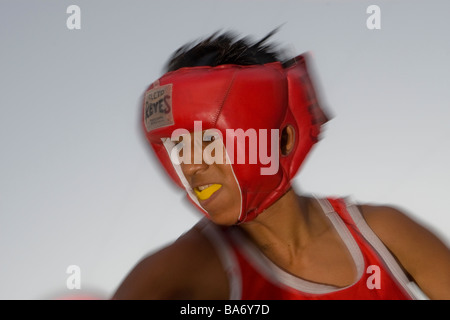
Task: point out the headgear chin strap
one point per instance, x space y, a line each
263 99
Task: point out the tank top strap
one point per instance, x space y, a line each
348 211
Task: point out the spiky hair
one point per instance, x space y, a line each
224 48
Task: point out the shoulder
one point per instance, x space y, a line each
390 223
424 256
189 268
396 228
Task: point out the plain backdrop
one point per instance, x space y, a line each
80 186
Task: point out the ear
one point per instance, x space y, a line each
287 140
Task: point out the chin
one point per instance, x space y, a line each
224 218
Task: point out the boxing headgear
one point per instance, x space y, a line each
263 99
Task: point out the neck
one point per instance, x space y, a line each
290 224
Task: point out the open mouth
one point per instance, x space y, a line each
206 191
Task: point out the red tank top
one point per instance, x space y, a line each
252 276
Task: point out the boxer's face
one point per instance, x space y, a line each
214 185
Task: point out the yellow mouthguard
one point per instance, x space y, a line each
208 192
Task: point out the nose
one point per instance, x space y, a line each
196 162
191 169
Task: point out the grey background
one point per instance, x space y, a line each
79 185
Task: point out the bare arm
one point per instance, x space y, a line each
186 269
155 277
423 255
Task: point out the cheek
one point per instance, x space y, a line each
234 191
230 179
227 212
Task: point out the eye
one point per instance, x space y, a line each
178 145
209 137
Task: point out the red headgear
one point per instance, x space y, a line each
263 98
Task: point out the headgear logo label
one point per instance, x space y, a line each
158 107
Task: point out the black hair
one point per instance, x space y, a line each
225 48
